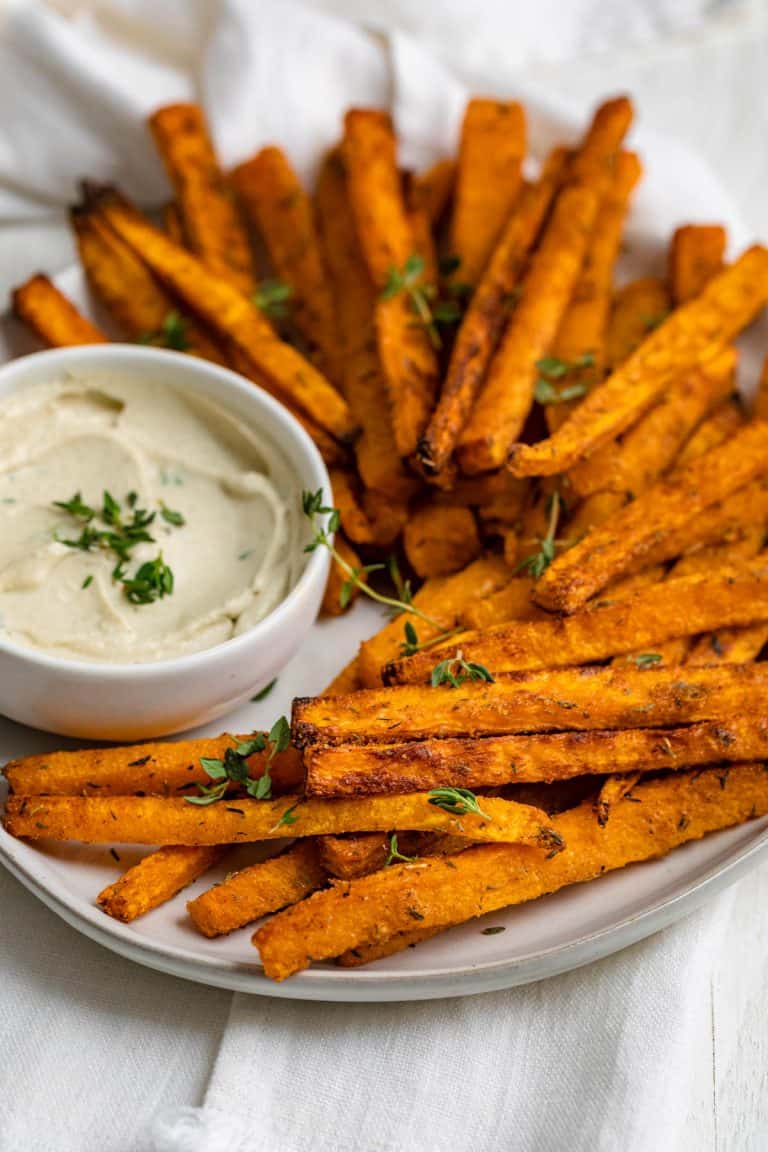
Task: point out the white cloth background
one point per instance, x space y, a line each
98 1054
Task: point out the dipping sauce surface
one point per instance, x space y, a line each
128 459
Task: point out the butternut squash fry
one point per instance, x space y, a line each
495 761
253 892
47 312
129 291
694 334
668 506
648 449
507 395
153 820
652 615
375 191
440 539
274 201
581 699
233 316
364 386
481 327
724 421
443 891
580 341
160 769
488 179
156 879
695 256
614 789
210 221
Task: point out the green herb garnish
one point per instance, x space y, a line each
172 517
430 312
272 298
553 368
394 854
456 671
538 562
88 581
111 530
287 817
234 767
314 508
647 659
457 801
264 692
172 333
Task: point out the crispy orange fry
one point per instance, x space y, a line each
164 768
407 356
155 820
649 448
410 368
375 192
210 221
364 386
581 699
479 333
345 857
507 395
649 617
580 341
275 202
694 334
443 599
51 316
668 506
439 892
233 316
695 256
416 766
253 892
155 879
729 646
130 292
440 539
488 178
637 308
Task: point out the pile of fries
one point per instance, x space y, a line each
558 467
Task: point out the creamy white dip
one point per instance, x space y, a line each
235 557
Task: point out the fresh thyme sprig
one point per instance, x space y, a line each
647 659
457 801
272 297
431 313
234 768
538 562
172 333
394 853
314 508
455 671
552 368
153 580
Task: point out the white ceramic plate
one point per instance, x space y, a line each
541 939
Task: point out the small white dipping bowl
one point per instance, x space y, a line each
102 701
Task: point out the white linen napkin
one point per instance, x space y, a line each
608 1057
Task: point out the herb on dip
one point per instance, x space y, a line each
124 506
